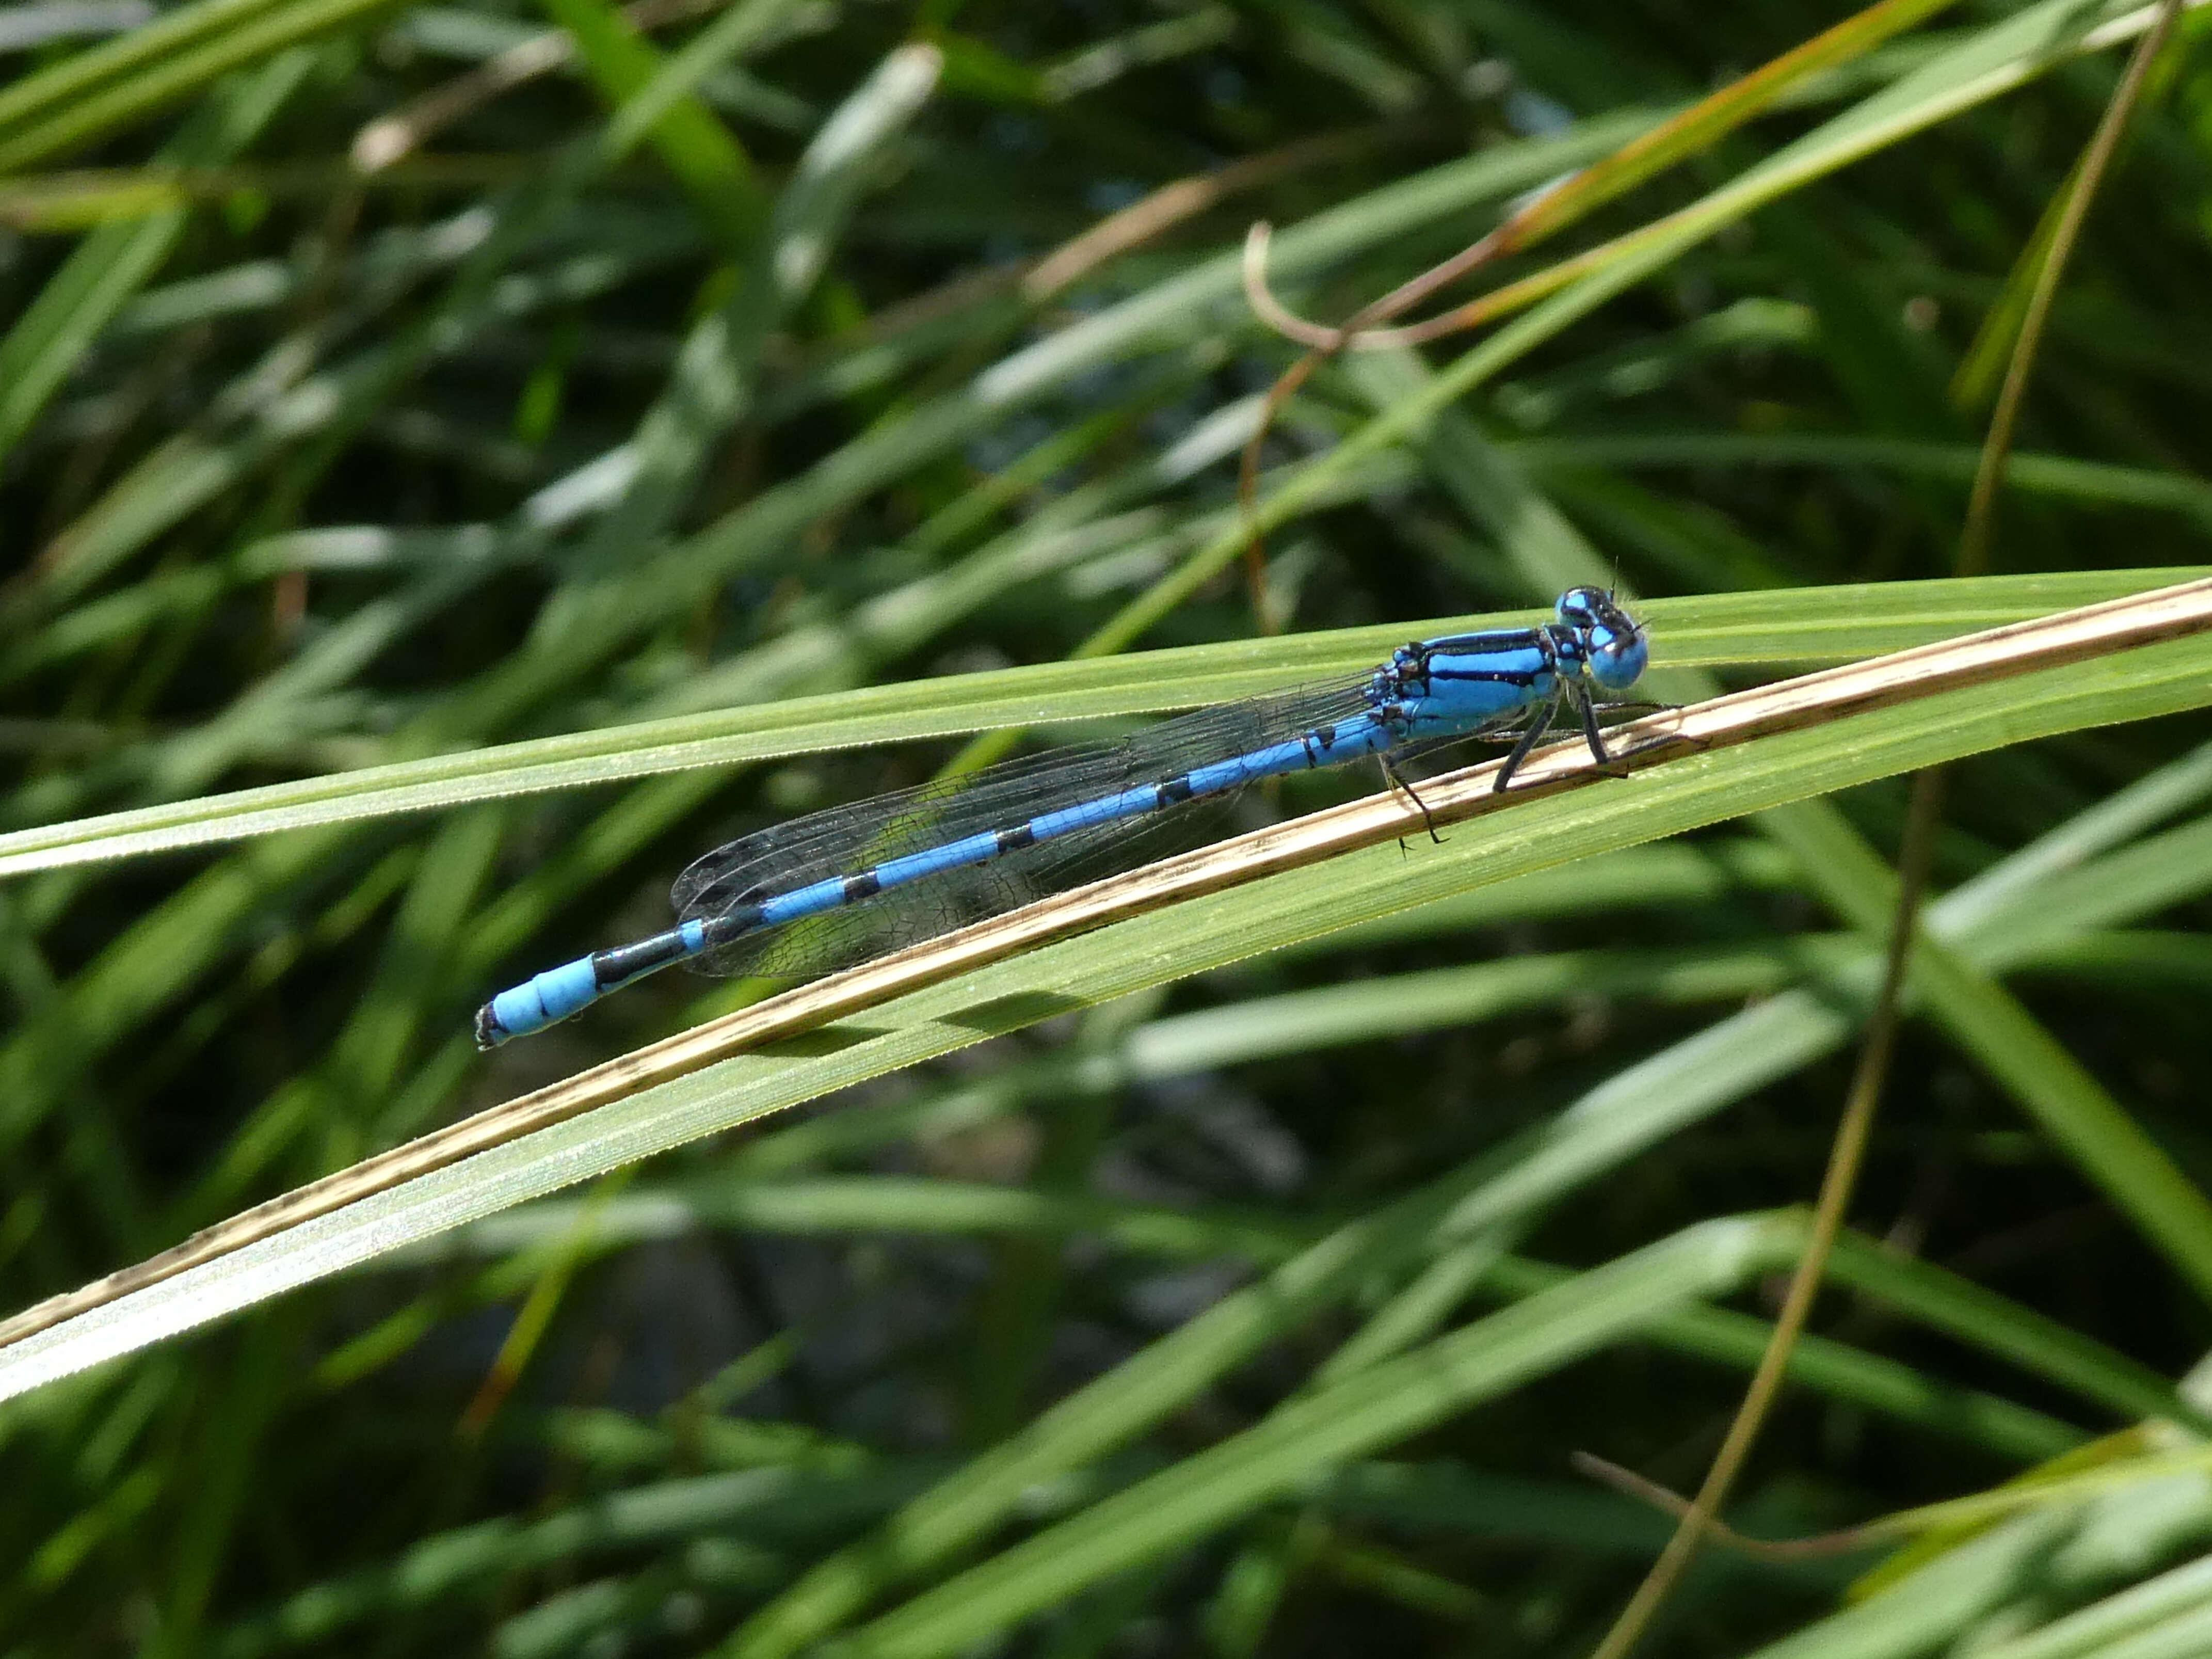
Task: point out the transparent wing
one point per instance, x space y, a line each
843 841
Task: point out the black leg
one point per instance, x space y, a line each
1589 712
1539 723
1399 783
1622 705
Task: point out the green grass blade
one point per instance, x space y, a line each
107 87
115 262
1804 626
703 154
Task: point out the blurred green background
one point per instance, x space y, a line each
385 383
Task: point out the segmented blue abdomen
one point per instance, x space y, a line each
842 841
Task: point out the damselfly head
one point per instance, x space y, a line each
1613 642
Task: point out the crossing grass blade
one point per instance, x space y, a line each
1228 926
1744 630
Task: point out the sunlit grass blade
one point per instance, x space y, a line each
1806 626
105 87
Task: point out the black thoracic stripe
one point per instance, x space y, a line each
626 961
867 885
1502 675
1504 639
1536 640
1175 789
1020 836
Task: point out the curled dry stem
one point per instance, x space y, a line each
1323 343
1543 212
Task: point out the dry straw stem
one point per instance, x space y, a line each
1722 722
2038 1489
389 137
1561 204
1173 203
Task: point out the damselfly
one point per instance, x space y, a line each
867 877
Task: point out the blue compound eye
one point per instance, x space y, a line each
1613 648
1616 660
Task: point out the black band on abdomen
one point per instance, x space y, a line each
624 963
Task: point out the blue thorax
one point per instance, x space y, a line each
1467 682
